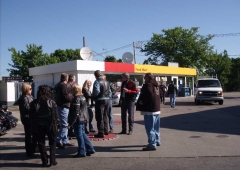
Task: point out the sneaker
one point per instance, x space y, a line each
158 144
68 144
89 153
60 146
53 163
105 133
149 149
99 135
130 133
93 131
123 132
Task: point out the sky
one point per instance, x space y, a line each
111 24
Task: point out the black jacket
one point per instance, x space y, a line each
24 107
44 113
172 89
78 110
150 97
61 93
88 95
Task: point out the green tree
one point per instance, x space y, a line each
234 77
23 60
111 58
184 46
66 55
220 65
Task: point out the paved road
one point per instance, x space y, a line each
193 136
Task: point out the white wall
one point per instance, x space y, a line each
7 92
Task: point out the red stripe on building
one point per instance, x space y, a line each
119 67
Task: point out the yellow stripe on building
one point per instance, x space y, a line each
165 70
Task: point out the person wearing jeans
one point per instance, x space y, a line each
149 105
63 99
78 117
172 91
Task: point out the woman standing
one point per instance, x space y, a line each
87 94
45 121
78 116
24 107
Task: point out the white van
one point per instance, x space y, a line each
208 89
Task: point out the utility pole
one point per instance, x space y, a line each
84 45
137 44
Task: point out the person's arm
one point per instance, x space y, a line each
132 89
73 112
96 89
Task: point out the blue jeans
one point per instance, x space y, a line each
90 113
152 126
84 144
63 131
172 99
110 116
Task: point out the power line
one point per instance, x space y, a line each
129 45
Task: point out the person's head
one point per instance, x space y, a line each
26 89
77 90
148 77
104 77
44 92
87 84
98 74
161 83
171 82
125 76
64 77
71 78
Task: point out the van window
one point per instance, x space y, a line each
208 83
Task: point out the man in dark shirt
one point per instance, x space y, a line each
172 91
63 100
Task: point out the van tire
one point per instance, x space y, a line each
197 102
220 102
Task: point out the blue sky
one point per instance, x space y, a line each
110 24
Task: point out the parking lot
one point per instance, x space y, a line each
205 136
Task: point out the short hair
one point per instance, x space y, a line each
71 77
85 83
64 77
98 73
150 75
125 75
25 88
77 90
44 92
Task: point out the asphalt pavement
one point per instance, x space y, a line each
205 136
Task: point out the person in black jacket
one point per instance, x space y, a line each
63 99
88 95
78 117
24 106
45 120
149 105
172 91
101 95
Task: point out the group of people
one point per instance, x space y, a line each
72 109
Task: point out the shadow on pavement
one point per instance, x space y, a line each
27 165
220 120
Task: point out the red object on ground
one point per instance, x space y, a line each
110 136
117 122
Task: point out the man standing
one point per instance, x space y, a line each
128 96
172 91
149 105
63 100
101 93
71 81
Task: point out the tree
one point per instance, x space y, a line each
184 46
112 58
66 55
220 65
234 76
22 60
